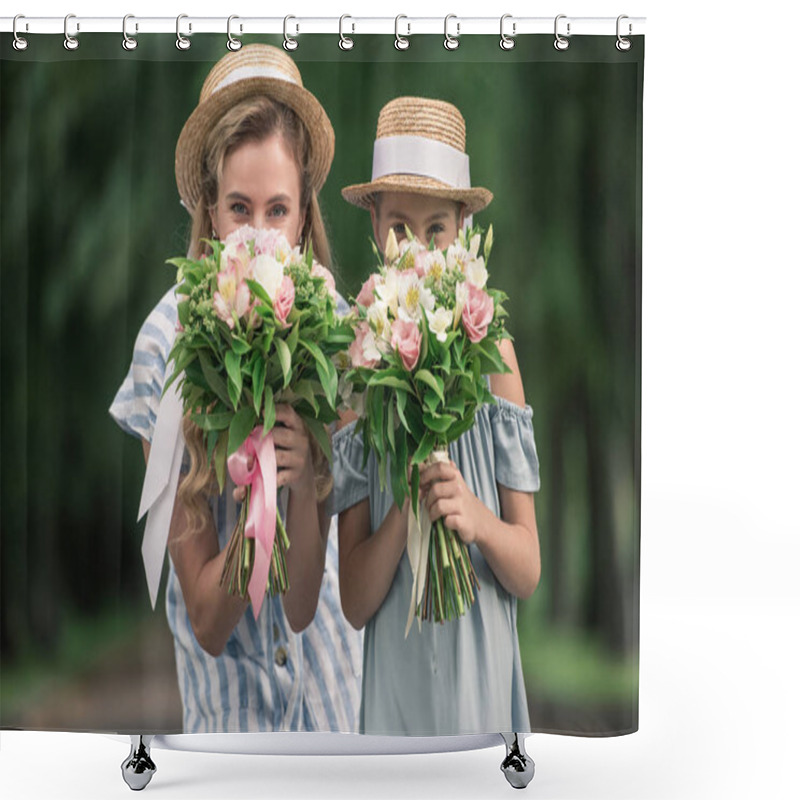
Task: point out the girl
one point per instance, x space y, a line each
465 676
255 151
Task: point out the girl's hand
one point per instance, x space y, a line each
448 496
292 453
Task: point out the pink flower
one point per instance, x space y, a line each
270 242
421 263
478 313
318 271
366 297
284 299
406 339
363 350
235 259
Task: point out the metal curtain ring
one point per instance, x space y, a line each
19 42
560 42
507 42
623 44
128 42
234 44
451 42
182 43
400 42
288 42
70 42
345 42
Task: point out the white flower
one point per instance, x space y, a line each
474 244
435 265
414 298
391 251
457 256
439 321
461 299
388 289
269 273
370 347
476 273
378 318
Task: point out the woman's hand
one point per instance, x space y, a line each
292 453
447 496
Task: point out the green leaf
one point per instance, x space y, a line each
233 366
285 356
414 488
241 426
292 338
214 379
400 487
431 380
260 292
439 423
387 379
239 346
457 404
213 422
259 370
402 397
221 461
269 408
304 389
424 448
431 400
320 433
390 423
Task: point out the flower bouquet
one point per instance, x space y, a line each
257 327
426 332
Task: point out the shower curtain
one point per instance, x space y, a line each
91 214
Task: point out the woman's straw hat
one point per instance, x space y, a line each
420 147
255 69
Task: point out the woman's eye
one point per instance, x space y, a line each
239 208
279 211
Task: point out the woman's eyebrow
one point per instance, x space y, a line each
278 198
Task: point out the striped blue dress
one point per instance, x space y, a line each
268 678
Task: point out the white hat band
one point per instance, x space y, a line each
417 155
243 73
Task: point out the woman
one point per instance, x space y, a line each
255 151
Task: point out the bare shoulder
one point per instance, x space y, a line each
345 418
509 384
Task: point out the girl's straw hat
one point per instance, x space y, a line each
420 148
255 69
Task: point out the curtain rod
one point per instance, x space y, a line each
346 25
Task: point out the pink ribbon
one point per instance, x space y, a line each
261 517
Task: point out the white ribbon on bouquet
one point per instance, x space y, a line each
419 537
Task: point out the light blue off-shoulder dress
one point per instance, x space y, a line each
463 676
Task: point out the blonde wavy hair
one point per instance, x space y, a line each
252 120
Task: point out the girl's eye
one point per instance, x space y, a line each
399 231
279 211
239 208
435 230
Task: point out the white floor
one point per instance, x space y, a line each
719 700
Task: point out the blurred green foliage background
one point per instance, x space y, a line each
90 213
